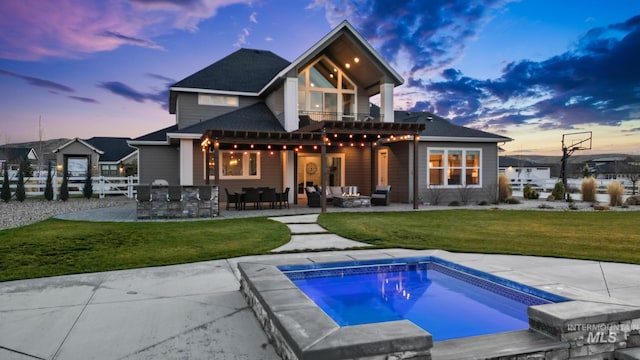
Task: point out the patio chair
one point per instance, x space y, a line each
283 198
251 195
381 196
144 206
174 201
269 196
232 199
313 196
206 201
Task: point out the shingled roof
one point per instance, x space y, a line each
439 128
114 148
256 117
246 70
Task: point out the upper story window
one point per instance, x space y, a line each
326 92
218 100
454 167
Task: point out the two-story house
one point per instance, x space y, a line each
256 119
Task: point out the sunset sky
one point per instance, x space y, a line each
531 70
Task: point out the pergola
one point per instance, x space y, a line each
318 135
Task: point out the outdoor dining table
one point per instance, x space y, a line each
247 195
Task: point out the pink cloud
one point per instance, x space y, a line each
33 30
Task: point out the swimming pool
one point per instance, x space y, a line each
300 329
447 300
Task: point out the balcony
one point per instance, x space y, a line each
309 117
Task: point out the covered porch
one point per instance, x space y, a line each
325 142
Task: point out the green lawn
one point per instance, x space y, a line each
607 236
57 247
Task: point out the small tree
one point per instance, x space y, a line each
530 193
5 194
20 191
48 188
64 188
588 187
87 189
558 191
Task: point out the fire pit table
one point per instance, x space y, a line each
351 201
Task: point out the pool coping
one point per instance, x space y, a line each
299 329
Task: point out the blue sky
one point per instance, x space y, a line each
531 69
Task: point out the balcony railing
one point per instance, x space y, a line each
307 117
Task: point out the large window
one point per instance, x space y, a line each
326 92
236 165
454 167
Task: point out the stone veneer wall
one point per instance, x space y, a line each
189 204
592 330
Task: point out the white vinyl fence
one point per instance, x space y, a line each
102 185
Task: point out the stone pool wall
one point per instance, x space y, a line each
592 330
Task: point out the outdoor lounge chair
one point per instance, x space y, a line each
381 196
313 196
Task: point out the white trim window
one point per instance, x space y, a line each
454 167
218 100
324 90
237 165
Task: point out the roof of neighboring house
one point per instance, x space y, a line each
83 142
440 129
256 117
115 148
16 154
506 161
246 70
156 136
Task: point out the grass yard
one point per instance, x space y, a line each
58 247
606 236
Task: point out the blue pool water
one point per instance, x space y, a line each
446 302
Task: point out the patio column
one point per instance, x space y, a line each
416 164
186 162
386 102
323 172
216 163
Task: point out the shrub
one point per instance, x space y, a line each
5 194
455 203
87 189
48 188
511 201
530 193
21 195
64 188
558 191
588 188
504 188
615 190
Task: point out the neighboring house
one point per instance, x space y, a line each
256 119
106 156
521 172
13 156
622 168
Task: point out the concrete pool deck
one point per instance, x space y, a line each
196 311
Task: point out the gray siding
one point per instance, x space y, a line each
190 113
398 176
159 162
358 168
275 102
